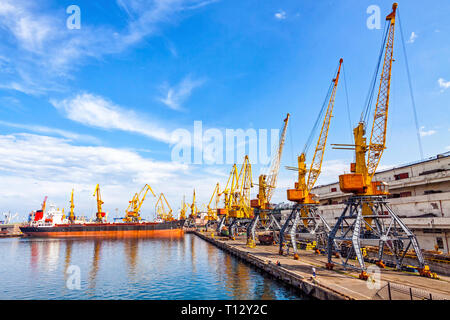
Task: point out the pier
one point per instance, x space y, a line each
337 284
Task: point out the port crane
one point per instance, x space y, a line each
132 213
241 211
211 215
100 214
190 221
72 206
367 219
163 209
228 194
266 188
183 209
305 209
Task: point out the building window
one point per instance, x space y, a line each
401 176
439 243
405 194
333 189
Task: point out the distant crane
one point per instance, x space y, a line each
305 208
367 218
132 213
228 194
241 211
100 214
266 188
183 209
212 212
163 209
72 206
190 221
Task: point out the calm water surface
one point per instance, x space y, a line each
186 268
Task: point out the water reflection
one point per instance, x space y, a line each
95 263
131 269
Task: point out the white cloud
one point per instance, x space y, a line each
175 96
412 37
280 15
424 133
443 84
45 49
32 166
46 130
96 111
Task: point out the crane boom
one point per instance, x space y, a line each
302 191
72 206
275 167
316 163
378 135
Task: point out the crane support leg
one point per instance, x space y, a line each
385 230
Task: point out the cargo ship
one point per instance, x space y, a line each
54 224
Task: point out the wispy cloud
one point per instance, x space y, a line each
443 84
45 49
72 136
424 133
412 37
176 95
96 111
280 15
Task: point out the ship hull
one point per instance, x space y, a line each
116 230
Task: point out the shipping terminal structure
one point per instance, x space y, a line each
360 218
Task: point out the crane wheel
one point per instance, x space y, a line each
296 257
364 276
329 266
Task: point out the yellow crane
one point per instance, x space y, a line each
163 209
211 215
228 194
266 187
305 208
183 209
367 214
72 206
132 213
190 222
100 214
241 210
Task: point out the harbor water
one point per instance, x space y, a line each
150 268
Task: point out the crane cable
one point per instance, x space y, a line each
366 111
319 117
348 104
410 88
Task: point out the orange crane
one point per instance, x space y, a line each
266 187
132 212
305 208
367 215
100 214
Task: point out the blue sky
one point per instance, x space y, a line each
98 104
